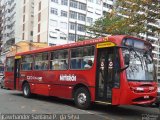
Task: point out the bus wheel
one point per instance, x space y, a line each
26 90
82 98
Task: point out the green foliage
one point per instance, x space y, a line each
103 25
129 17
81 39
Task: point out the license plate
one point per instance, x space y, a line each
146 97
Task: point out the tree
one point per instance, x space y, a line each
130 17
104 25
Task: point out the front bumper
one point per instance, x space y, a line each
131 98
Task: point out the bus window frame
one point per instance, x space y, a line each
34 60
94 56
50 59
5 69
32 63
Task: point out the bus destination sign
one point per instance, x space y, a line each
105 44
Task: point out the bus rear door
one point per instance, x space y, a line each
107 75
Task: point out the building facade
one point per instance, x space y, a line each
17 23
63 21
41 15
26 9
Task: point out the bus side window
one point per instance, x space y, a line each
10 64
41 61
76 58
27 62
26 66
59 60
80 56
88 56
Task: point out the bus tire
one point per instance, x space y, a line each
26 90
82 98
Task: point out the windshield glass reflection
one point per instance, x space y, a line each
141 65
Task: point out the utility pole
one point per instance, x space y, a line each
75 31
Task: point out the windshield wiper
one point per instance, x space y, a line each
138 57
147 55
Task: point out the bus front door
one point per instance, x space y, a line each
16 73
105 74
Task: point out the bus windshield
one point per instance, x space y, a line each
141 67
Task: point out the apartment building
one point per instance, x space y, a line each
17 23
63 21
10 21
155 40
26 9
41 21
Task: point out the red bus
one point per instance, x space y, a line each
116 70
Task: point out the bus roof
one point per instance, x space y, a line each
116 39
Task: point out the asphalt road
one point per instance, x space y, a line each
12 102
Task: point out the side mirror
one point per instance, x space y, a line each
126 62
127 59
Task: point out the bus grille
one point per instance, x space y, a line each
140 99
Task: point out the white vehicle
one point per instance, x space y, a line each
2 82
1 76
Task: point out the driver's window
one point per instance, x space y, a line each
126 56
